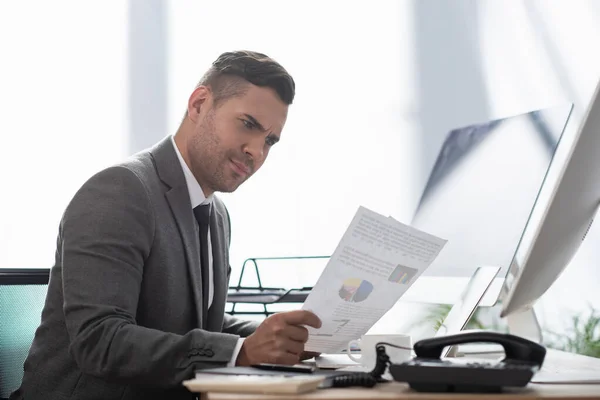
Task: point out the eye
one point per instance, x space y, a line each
248 124
270 141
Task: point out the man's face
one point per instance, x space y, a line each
231 141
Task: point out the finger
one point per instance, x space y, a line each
309 354
286 358
294 347
297 333
301 317
289 346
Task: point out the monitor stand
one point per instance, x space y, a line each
525 324
458 317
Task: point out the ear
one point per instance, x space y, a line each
198 99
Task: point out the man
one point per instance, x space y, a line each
137 294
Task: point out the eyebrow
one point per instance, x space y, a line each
274 138
255 122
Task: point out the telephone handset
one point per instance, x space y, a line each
428 372
516 348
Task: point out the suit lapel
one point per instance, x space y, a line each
179 202
169 171
219 250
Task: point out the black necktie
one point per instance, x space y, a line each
202 214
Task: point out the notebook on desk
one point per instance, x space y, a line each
249 371
562 367
566 377
264 384
556 371
253 380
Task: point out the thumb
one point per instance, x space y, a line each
302 317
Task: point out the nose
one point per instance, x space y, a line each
255 148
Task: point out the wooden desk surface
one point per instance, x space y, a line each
397 390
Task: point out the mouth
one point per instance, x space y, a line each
240 168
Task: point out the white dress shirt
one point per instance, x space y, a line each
197 197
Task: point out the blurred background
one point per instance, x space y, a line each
380 84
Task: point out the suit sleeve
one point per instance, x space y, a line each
107 233
237 326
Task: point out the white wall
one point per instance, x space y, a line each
63 114
378 86
349 132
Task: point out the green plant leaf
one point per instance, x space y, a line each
582 337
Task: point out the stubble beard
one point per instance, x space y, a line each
209 160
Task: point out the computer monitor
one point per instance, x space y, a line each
479 197
564 220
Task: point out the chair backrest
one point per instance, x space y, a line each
22 297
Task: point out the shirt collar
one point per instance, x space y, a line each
197 196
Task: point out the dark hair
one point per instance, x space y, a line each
229 73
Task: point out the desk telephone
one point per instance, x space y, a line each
428 372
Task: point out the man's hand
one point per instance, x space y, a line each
279 339
307 355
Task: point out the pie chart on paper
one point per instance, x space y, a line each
355 290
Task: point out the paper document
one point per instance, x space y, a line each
376 261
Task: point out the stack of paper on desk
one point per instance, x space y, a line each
334 361
253 383
376 261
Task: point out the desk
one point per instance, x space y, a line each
397 390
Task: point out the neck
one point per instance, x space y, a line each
181 144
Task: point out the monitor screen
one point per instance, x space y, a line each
480 195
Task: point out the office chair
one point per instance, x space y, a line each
22 297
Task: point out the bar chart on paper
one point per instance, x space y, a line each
376 261
402 274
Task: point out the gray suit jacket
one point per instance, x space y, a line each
123 314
